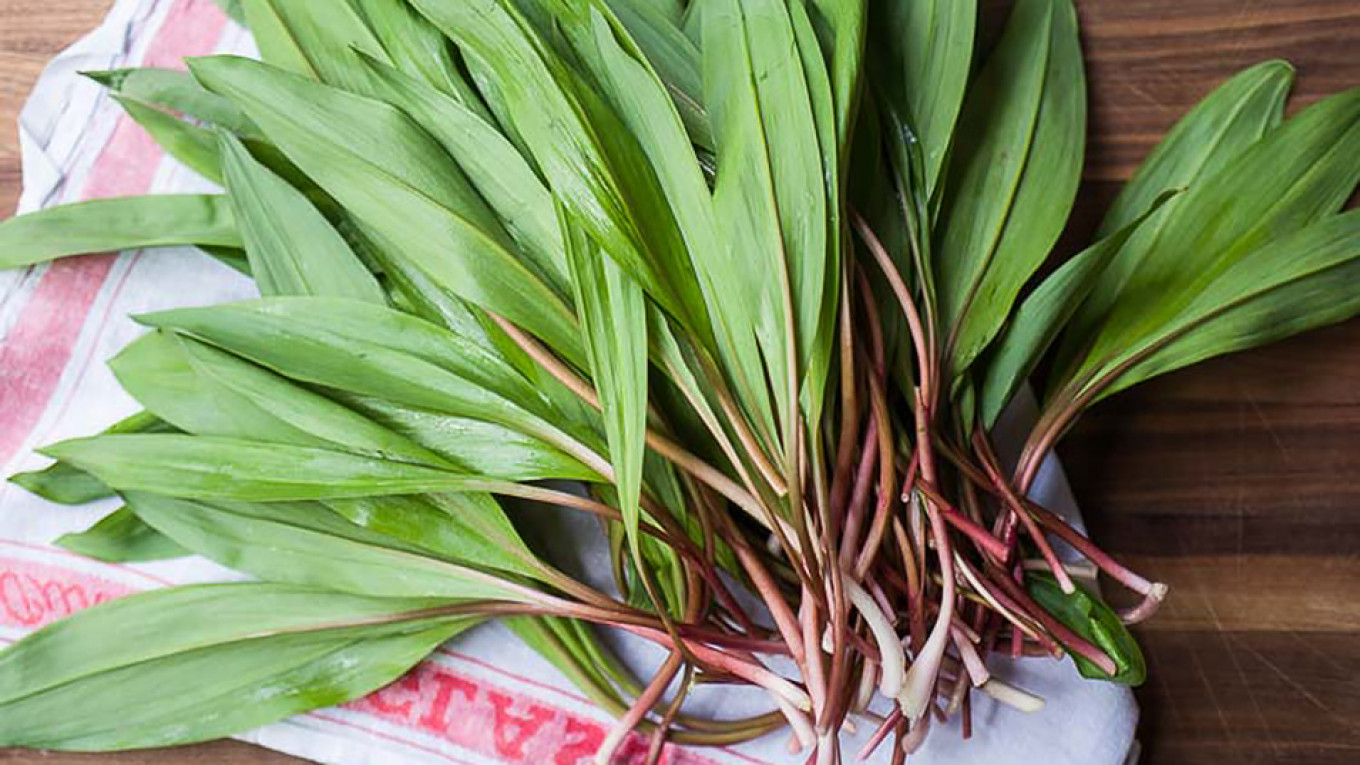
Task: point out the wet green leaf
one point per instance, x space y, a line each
110 225
1087 615
203 662
121 537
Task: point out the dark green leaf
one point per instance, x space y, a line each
1087 615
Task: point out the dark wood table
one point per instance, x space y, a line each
1236 481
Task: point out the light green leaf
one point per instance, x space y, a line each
110 225
293 249
121 537
318 40
207 392
674 58
469 528
614 320
190 144
494 166
203 662
419 50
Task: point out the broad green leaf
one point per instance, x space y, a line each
1087 615
1297 174
420 50
1018 163
68 485
175 90
614 320
401 185
475 445
769 192
1230 119
924 55
494 166
1292 284
121 537
469 528
1044 314
638 94
592 163
832 107
378 352
293 249
109 225
307 544
190 144
203 662
841 25
318 40
675 59
207 392
211 467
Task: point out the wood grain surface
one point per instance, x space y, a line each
1236 481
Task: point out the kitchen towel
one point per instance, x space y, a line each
482 698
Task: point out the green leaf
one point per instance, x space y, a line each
614 320
233 10
1290 285
674 57
190 144
211 467
493 165
318 40
293 249
475 445
1299 173
470 528
68 485
418 49
1213 134
401 185
1018 159
1087 615
175 90
121 537
770 191
207 392
592 163
203 662
307 544
378 352
110 225
1046 311
925 53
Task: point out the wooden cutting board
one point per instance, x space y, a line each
1236 481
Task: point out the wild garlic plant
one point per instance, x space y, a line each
758 275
